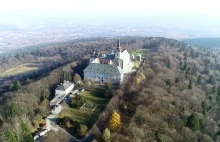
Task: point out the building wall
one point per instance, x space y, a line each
64 92
125 56
118 55
96 60
59 92
69 89
91 59
103 76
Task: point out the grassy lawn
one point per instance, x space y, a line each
24 68
85 117
141 51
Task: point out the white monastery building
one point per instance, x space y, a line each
108 67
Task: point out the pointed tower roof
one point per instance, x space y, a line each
119 45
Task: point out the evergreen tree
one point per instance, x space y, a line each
17 85
197 54
177 80
187 72
185 55
168 64
28 138
213 90
168 82
14 110
218 91
211 79
158 136
181 64
185 65
198 80
11 87
204 108
193 122
206 70
10 136
190 84
194 70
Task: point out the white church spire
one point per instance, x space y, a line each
119 45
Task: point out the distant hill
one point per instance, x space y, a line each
204 42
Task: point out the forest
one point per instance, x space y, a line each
48 58
174 95
24 98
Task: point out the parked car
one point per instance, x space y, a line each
44 126
36 137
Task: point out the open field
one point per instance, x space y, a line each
21 69
141 51
85 117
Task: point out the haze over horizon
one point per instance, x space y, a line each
25 22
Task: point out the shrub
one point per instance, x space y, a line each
106 135
82 130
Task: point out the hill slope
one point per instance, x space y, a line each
204 42
175 96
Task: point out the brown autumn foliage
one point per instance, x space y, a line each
156 108
161 107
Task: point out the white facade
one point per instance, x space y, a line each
119 60
103 77
125 57
64 91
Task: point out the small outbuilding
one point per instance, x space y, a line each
61 91
138 57
64 88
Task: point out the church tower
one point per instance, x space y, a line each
118 52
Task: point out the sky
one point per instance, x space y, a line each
197 7
189 15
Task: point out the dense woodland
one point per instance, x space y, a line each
53 56
174 95
25 99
